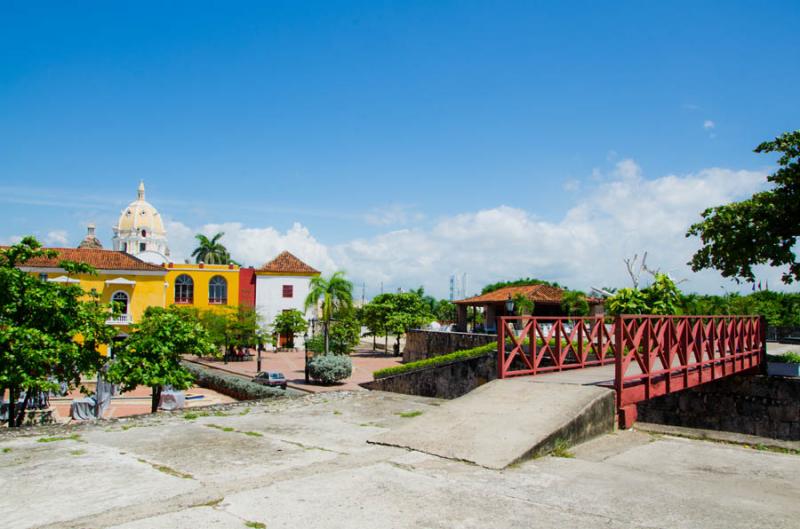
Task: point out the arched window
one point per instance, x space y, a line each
218 290
184 289
120 302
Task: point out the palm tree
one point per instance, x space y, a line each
211 251
334 294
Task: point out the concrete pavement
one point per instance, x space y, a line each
305 463
505 421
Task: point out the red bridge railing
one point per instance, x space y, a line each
653 355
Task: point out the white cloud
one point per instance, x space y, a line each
708 124
251 246
572 185
56 238
617 217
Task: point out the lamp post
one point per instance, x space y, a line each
510 309
509 306
305 346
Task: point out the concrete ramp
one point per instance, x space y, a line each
505 421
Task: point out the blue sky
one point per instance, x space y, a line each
367 122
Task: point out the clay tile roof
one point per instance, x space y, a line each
99 259
536 293
288 263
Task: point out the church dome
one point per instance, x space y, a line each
141 215
140 229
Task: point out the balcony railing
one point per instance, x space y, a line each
122 319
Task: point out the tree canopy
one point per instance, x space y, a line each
525 281
211 251
151 355
289 322
49 332
760 230
333 294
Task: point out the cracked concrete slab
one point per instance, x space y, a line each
310 466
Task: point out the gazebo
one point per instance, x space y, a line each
546 299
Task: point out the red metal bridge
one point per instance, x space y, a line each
651 355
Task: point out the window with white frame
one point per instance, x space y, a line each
184 289
218 290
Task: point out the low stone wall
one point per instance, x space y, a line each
426 344
446 381
749 404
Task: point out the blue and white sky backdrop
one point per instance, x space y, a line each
401 141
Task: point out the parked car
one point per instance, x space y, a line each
270 378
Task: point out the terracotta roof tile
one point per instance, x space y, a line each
288 263
100 259
536 293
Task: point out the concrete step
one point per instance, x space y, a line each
506 421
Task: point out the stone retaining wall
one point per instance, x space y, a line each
426 344
446 381
750 404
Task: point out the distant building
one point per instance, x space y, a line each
90 242
128 282
546 299
283 284
140 231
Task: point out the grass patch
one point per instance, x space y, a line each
190 416
222 428
786 358
6 450
410 414
337 412
210 503
244 411
73 437
255 525
77 452
167 470
126 427
253 434
561 449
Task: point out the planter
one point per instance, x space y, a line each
782 369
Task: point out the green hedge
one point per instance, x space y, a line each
436 361
230 385
786 358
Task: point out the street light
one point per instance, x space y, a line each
510 306
305 345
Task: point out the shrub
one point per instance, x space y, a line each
331 368
230 385
786 358
436 360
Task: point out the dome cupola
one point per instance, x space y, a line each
140 230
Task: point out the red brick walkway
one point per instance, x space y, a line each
292 365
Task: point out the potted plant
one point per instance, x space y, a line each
784 365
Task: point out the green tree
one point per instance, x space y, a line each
49 332
661 297
408 311
445 311
151 355
574 303
332 294
525 281
211 251
523 305
375 316
762 229
290 322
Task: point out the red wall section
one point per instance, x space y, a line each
247 287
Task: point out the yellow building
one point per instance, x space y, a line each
130 283
202 286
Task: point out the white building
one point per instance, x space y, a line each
283 284
140 231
